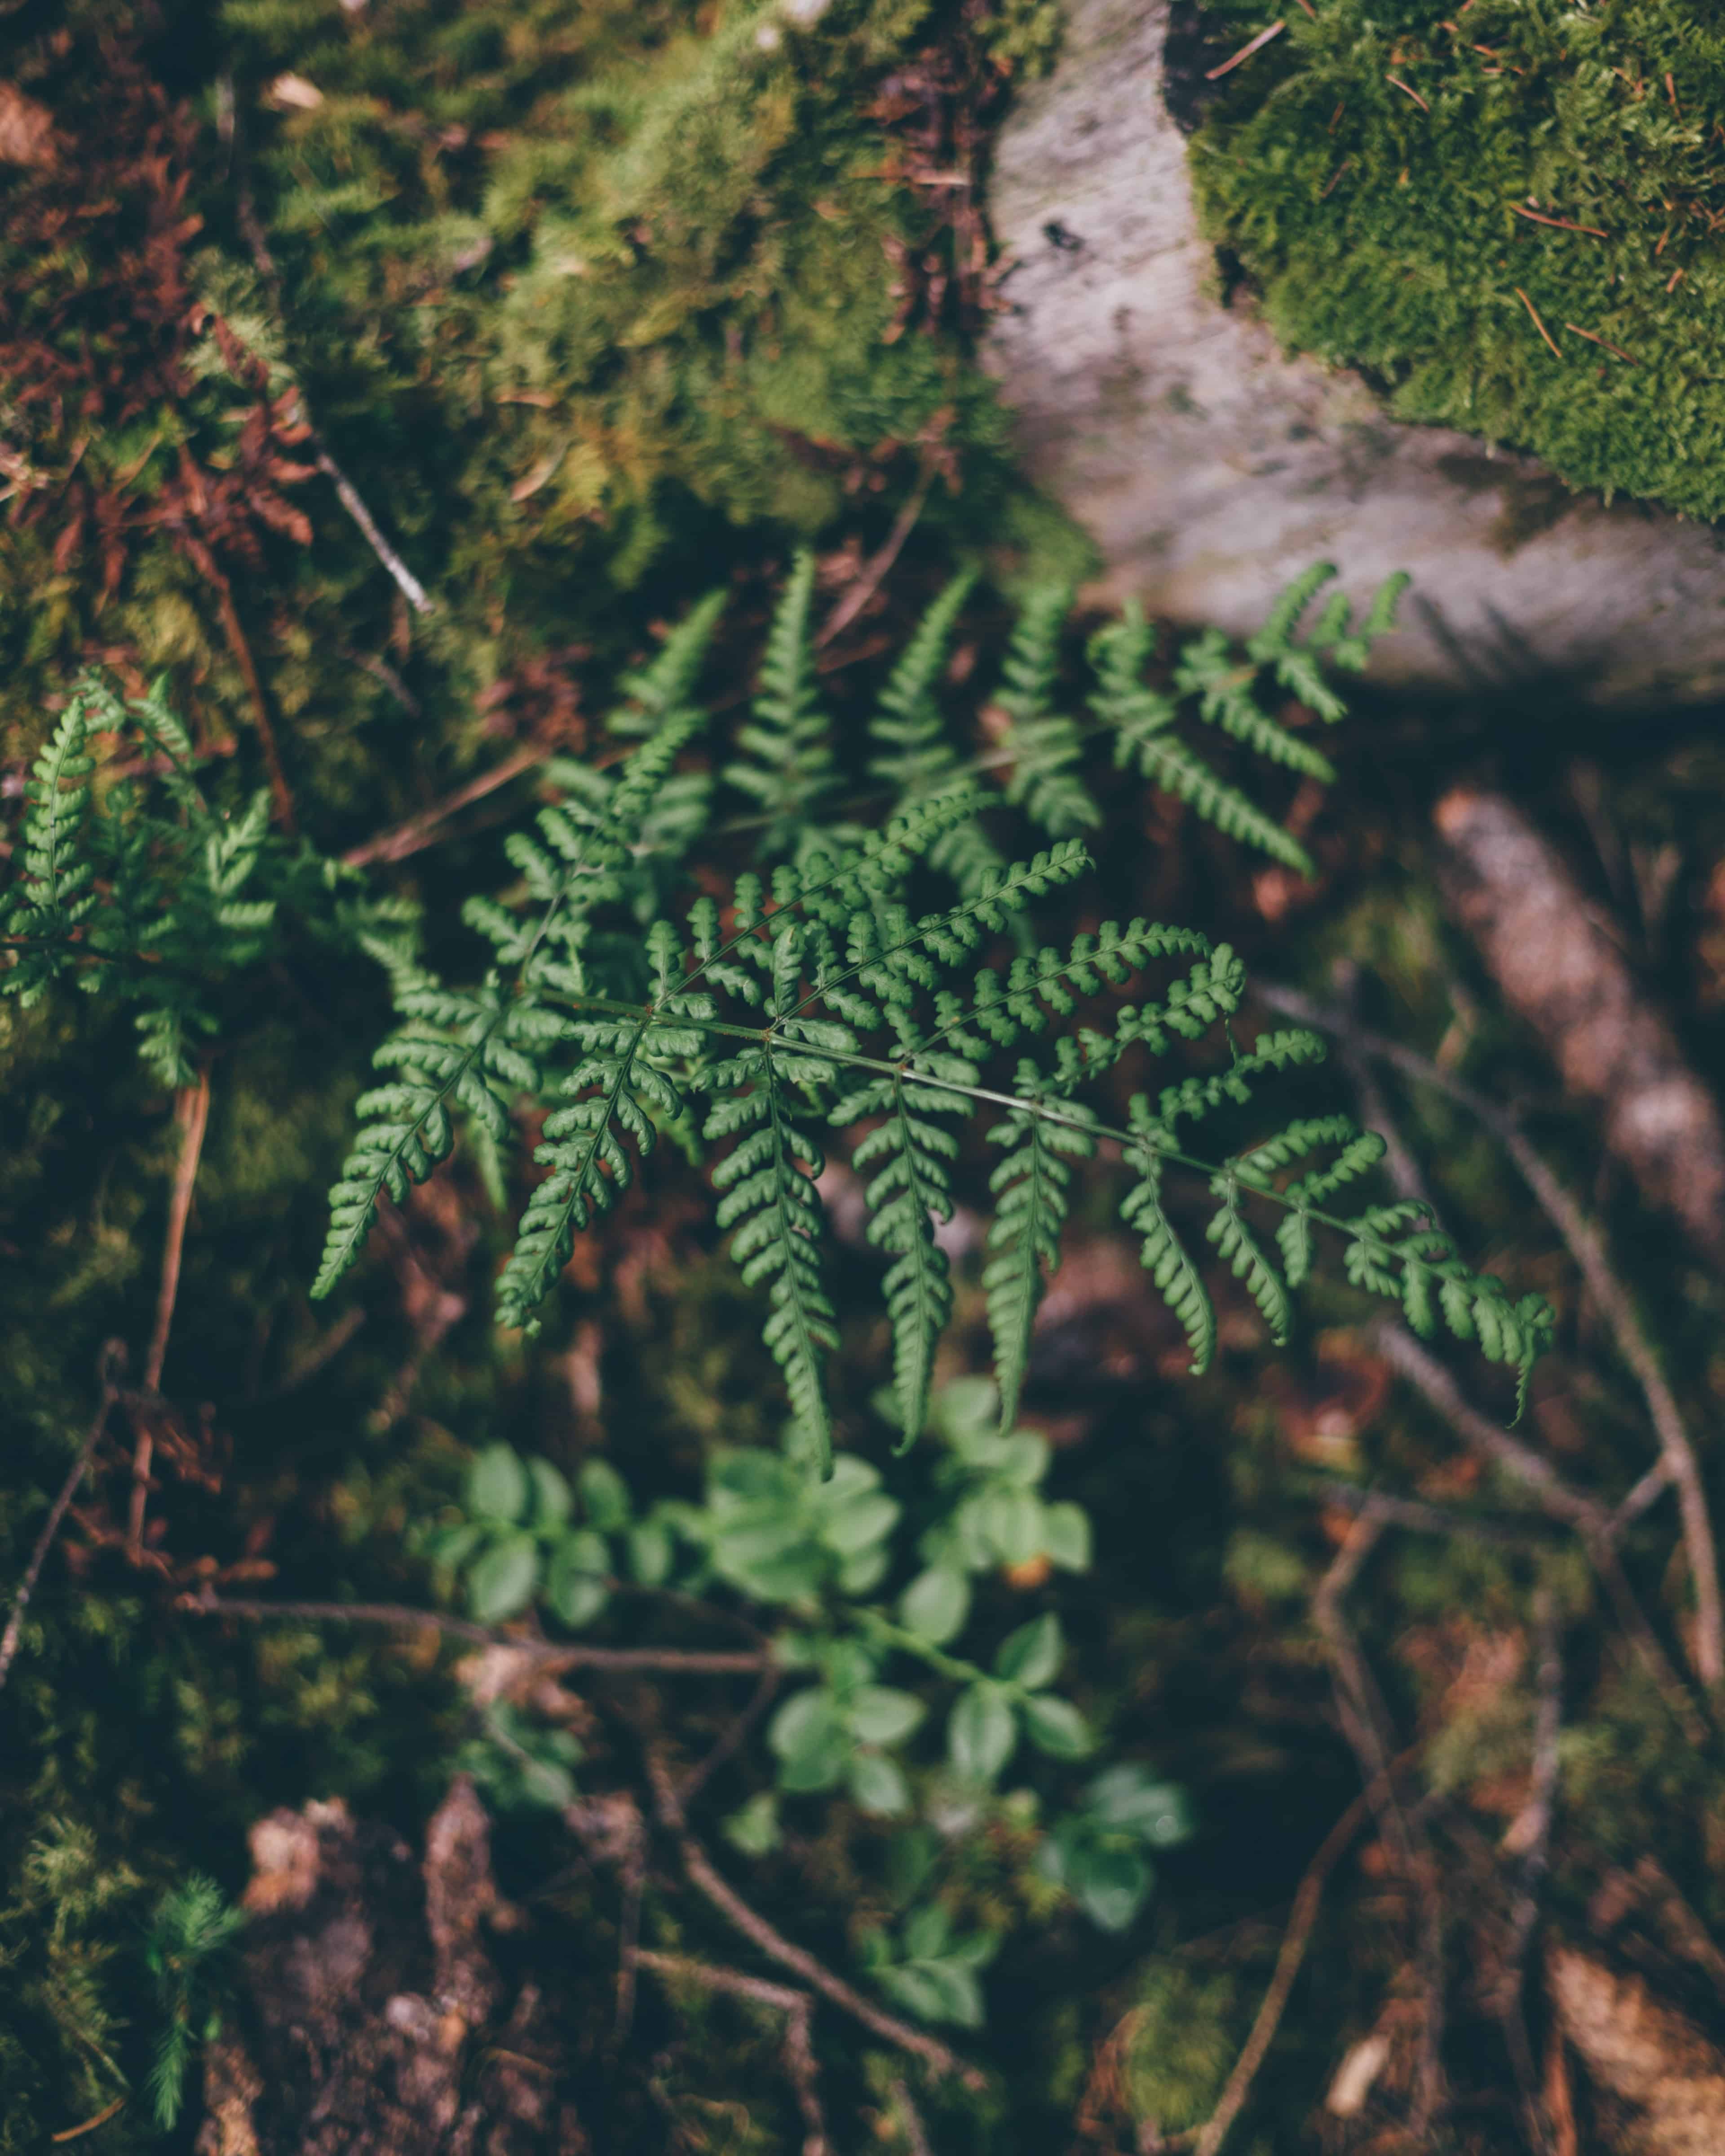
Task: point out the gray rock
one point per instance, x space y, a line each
1210 469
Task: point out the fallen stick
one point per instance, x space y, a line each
1560 971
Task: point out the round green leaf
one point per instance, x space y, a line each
604 1495
1023 1459
497 1486
1157 1812
1011 1521
502 1582
1066 1536
546 1782
1056 1726
981 1734
810 1741
1031 1656
575 1580
915 1990
1110 1884
877 1714
935 1606
859 1524
651 1552
879 1785
938 1991
552 1498
755 1830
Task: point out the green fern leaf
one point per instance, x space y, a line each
769 1203
1163 1255
1030 1191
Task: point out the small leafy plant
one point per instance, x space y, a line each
904 1698
185 1947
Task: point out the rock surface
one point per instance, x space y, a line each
1210 469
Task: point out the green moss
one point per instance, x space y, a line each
1368 169
575 293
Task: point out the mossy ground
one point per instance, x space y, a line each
713 379
1513 218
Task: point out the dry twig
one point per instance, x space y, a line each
113 1356
797 2007
1587 1246
873 571
1208 2140
621 1662
755 1927
418 832
192 1114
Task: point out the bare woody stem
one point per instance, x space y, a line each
655 1661
192 1114
1586 1245
705 1877
57 1512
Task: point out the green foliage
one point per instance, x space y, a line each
192 1929
150 895
1541 153
928 1970
818 997
1098 1852
874 1625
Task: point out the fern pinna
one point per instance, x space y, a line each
815 999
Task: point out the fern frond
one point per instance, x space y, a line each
1226 698
1030 1188
54 895
1170 765
1163 1255
661 689
786 762
477 1051
1235 1243
770 1203
1043 743
914 752
910 1191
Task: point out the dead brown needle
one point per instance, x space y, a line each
1593 337
1538 324
1246 51
1407 91
1563 223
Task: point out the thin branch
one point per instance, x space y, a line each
659 1661
238 643
873 571
1500 1447
1512 1530
1594 1525
415 834
734 1737
412 590
628 1938
113 1356
1535 1825
776 1946
1207 2140
192 1114
915 2133
1365 1721
1586 1245
797 2007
